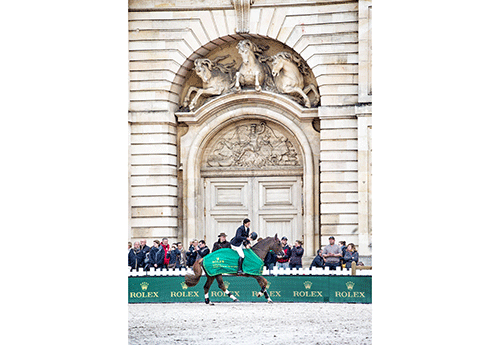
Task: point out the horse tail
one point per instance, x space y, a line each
193 279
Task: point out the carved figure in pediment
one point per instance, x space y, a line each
253 146
217 79
288 72
253 70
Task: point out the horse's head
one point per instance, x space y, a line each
245 49
203 68
276 246
277 62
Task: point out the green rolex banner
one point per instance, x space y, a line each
305 288
226 261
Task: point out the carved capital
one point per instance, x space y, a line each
242 8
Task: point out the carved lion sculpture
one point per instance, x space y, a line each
217 79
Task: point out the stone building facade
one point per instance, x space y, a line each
205 152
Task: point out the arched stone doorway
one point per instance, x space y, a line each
252 169
221 186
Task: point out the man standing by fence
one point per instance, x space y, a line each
332 254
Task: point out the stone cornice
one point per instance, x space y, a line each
263 99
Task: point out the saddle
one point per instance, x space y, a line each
225 261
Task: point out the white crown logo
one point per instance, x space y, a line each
349 285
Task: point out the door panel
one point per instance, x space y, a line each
273 204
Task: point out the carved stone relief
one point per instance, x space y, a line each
251 145
261 67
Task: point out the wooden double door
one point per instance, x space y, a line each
273 204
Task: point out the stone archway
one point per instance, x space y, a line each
252 169
204 125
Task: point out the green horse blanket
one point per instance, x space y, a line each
225 260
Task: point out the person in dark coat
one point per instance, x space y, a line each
221 242
144 247
343 248
351 254
296 256
135 257
239 242
175 255
318 260
155 256
191 253
145 252
182 257
270 260
203 250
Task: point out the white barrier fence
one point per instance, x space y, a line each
275 271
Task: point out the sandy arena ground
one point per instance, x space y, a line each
250 323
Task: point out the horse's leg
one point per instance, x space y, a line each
210 91
315 91
237 83
291 89
206 288
188 95
220 282
258 88
263 291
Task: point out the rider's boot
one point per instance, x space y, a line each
240 265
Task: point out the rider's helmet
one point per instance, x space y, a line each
253 236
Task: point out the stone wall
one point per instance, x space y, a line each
165 37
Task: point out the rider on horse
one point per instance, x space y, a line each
240 241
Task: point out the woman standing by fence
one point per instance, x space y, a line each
351 254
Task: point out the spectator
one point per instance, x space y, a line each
135 257
351 254
270 260
342 248
221 242
160 256
283 259
129 246
155 256
332 254
296 255
318 260
145 251
202 250
166 249
182 258
191 253
174 257
144 247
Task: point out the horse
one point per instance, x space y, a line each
261 248
252 71
289 79
217 79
